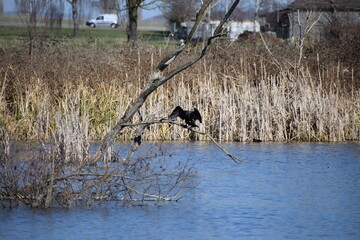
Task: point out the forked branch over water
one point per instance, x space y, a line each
156 79
143 125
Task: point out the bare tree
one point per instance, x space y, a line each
29 11
157 79
75 16
131 7
1 7
178 11
54 14
256 14
107 6
35 13
244 10
21 6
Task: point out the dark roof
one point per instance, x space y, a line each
325 5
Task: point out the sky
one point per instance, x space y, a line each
8 6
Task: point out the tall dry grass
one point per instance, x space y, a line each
242 90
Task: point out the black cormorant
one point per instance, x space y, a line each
189 116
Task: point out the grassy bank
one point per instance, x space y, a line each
244 90
105 37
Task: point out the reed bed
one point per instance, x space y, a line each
243 91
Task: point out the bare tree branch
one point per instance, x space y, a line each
146 124
137 142
156 80
200 15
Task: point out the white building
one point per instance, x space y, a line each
206 29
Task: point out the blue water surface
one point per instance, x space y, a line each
279 191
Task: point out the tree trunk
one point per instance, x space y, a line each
133 6
256 15
75 17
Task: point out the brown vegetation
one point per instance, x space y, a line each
59 173
244 90
66 94
62 172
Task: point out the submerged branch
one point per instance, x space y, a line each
149 196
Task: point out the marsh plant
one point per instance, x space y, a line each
62 114
242 91
58 173
68 94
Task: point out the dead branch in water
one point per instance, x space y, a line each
48 177
146 124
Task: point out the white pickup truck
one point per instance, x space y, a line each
103 20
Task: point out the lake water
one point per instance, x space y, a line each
280 191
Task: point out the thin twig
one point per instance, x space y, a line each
234 158
155 197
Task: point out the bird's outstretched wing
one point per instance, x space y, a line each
197 115
175 113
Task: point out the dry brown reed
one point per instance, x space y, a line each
59 173
242 90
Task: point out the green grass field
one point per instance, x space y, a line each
13 29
